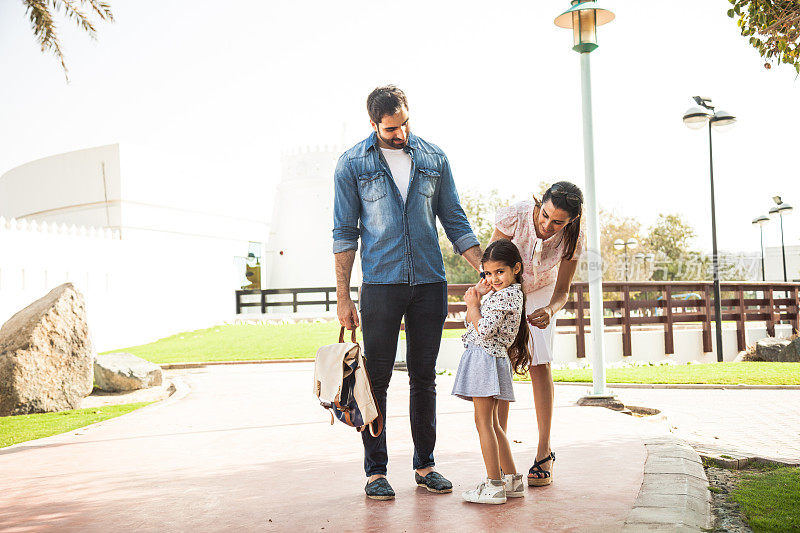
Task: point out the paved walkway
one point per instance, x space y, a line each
248 449
760 423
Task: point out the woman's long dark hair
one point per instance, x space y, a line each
506 252
567 196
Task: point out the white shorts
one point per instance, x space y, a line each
540 341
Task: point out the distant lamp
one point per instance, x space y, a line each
696 117
782 209
722 121
760 221
779 210
583 18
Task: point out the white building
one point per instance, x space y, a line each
140 234
773 263
300 244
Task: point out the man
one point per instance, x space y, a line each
389 189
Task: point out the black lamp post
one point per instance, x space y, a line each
696 118
781 209
760 221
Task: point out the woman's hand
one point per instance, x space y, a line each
483 288
541 317
472 298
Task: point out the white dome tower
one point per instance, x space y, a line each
300 246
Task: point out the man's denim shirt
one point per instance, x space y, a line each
400 243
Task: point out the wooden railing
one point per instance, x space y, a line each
264 301
637 303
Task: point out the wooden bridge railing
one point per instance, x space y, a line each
635 303
264 302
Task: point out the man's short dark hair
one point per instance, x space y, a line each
386 100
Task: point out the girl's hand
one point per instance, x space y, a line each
541 317
483 288
472 298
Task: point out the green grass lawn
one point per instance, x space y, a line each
21 428
245 342
751 373
770 500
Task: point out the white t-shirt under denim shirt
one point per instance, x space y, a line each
400 166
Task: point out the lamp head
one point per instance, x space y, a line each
619 244
722 121
583 17
777 200
696 117
781 209
761 220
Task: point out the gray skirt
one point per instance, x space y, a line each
483 375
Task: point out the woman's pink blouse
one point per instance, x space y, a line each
540 259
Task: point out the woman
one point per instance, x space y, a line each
549 237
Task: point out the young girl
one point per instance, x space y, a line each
496 341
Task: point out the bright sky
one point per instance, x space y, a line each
496 85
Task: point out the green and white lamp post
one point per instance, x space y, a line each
583 17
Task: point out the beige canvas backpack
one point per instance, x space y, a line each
342 385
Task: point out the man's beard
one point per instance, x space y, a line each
394 143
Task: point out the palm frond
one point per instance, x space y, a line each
44 29
74 13
102 9
41 15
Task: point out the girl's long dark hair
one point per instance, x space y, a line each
506 252
569 197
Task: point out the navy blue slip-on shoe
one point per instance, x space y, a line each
379 489
434 482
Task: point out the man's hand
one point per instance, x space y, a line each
347 313
541 317
472 298
483 287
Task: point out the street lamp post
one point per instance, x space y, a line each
631 243
760 221
583 17
696 118
781 209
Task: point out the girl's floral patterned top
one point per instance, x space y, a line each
501 311
540 259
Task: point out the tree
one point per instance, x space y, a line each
480 210
773 27
669 238
613 227
41 14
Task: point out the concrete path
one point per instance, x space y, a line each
249 449
755 423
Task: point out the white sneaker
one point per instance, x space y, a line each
514 485
487 492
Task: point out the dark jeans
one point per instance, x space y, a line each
425 309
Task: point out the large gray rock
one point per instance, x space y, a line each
123 372
46 355
770 349
792 352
